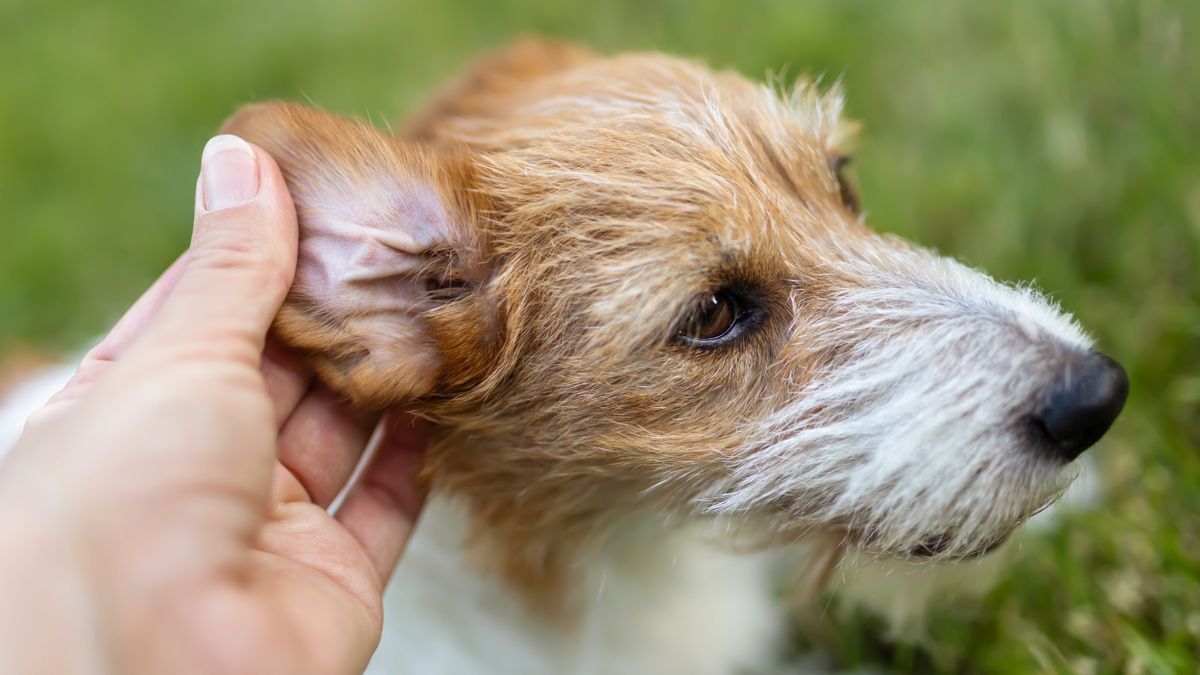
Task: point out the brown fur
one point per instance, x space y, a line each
596 200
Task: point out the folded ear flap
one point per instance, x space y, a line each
387 233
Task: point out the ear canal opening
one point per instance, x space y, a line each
441 290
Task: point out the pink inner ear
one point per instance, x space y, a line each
367 255
378 220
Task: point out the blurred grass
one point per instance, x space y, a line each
1055 141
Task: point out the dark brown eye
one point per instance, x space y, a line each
846 191
715 317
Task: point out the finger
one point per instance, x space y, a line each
382 507
322 442
241 260
287 379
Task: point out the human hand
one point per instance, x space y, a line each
166 512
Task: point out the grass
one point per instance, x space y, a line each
1048 141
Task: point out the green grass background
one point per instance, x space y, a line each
1055 141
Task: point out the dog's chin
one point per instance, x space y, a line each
935 548
940 547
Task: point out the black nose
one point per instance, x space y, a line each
1082 405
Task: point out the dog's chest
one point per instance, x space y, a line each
657 599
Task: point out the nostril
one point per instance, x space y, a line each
1082 405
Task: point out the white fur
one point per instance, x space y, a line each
659 598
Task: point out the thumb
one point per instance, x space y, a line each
242 256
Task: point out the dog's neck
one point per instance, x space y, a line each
563 563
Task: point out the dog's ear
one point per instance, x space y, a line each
487 87
388 232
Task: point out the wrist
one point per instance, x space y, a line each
48 619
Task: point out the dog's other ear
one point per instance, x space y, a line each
488 86
387 233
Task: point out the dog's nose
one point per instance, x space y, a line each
1082 405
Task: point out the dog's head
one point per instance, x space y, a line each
632 281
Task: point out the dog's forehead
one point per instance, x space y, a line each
665 155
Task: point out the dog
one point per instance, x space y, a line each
671 368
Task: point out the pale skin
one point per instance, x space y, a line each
166 511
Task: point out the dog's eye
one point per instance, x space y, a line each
846 191
714 320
